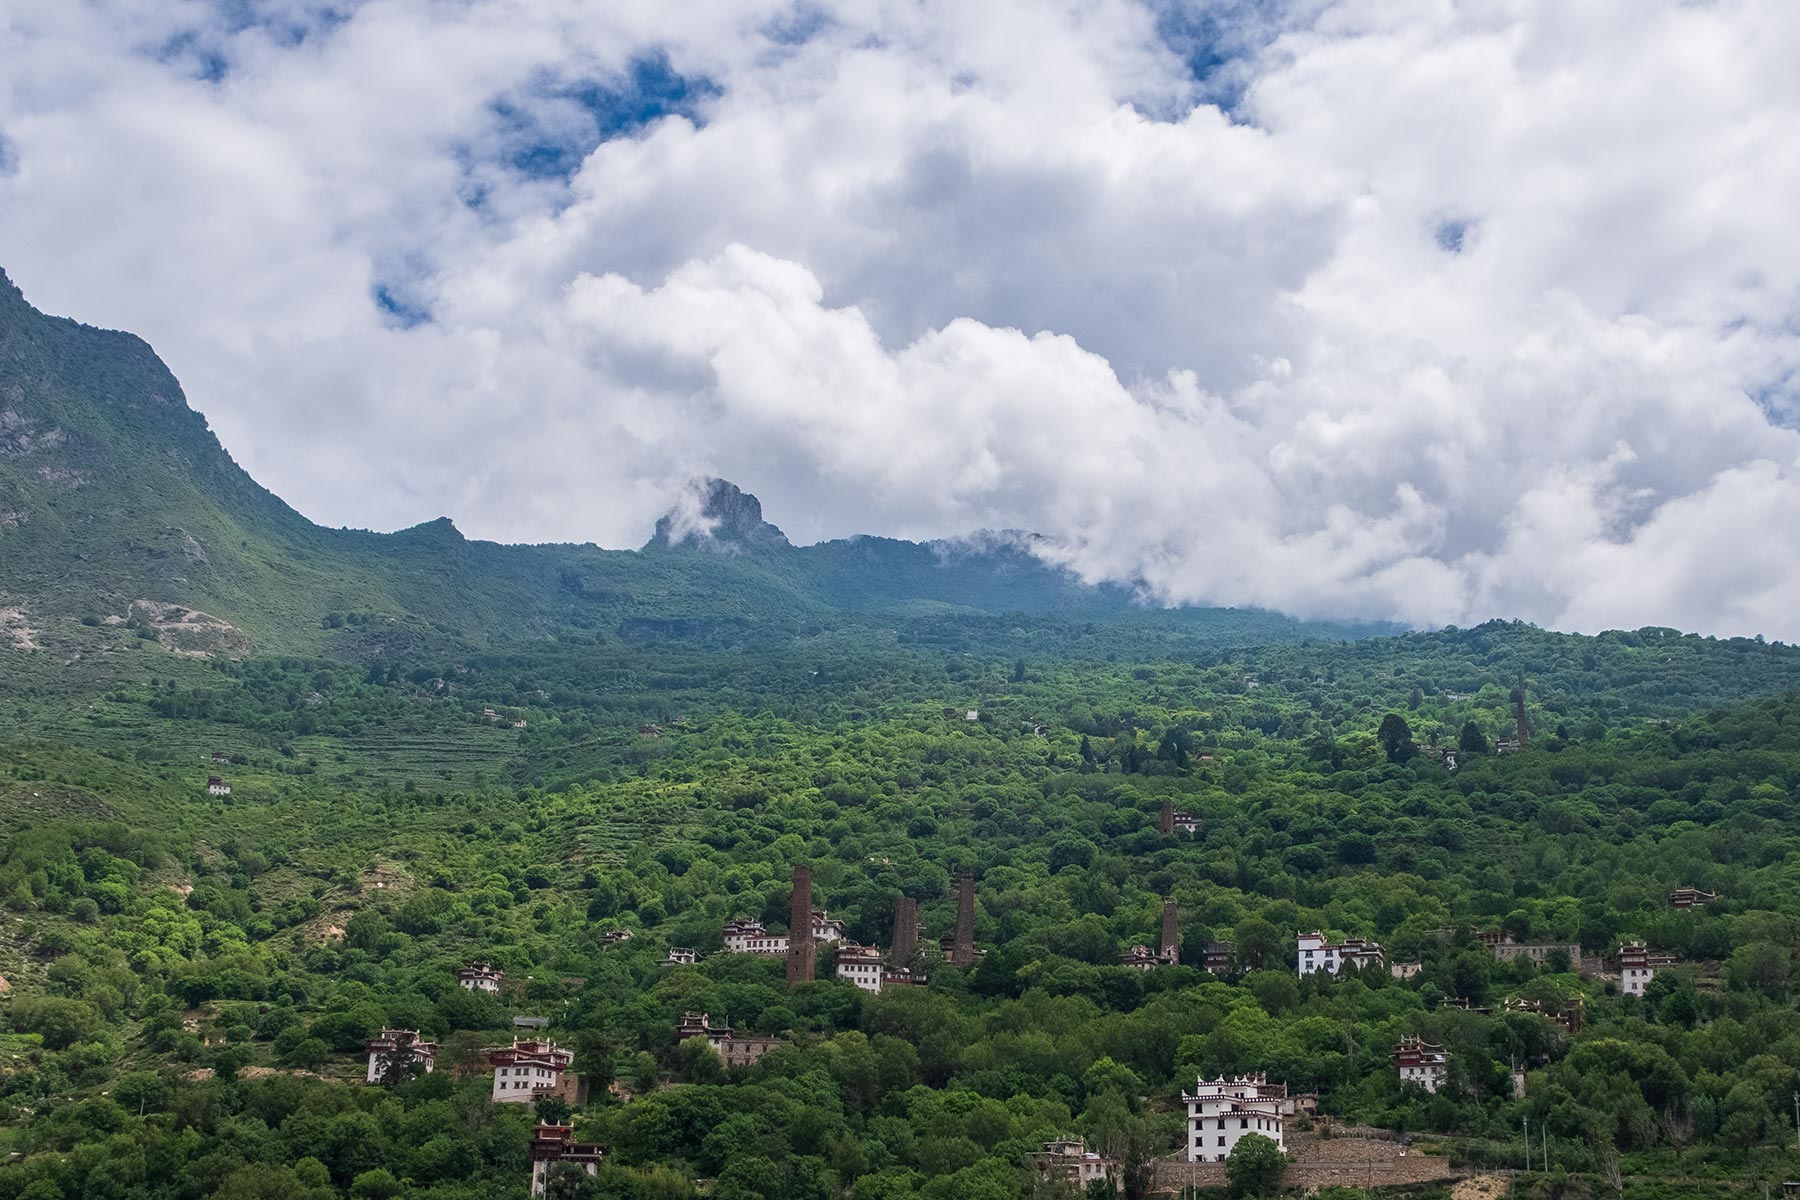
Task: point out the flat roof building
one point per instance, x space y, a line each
1317 953
1221 1112
1419 1062
1638 966
1070 1161
527 1069
480 977
398 1054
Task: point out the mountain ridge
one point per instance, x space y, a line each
116 499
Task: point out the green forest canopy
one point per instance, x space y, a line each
193 978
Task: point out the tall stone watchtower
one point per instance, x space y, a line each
801 951
906 933
962 943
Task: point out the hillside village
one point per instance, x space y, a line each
1221 1112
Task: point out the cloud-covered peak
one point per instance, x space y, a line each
1431 312
716 514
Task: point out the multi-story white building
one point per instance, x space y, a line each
217 787
1419 1062
866 967
1073 1163
742 935
750 937
860 965
1637 967
479 977
526 1070
1317 953
1222 1111
551 1145
679 956
418 1057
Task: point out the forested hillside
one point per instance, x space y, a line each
193 978
279 805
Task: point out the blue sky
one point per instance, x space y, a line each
1431 310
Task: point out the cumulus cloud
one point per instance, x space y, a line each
1426 309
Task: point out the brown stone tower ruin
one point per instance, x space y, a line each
800 928
1165 824
1171 931
906 933
1524 727
962 943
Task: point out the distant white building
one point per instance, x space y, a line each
479 977
742 935
1317 953
1637 967
860 965
613 937
866 967
420 1057
527 1069
1223 1111
1421 1063
679 956
217 787
1070 1161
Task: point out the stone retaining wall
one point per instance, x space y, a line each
1314 1163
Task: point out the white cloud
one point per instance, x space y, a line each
1468 308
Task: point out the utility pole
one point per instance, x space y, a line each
1797 1118
1526 1122
1544 1133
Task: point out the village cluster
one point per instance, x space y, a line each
867 967
1220 1112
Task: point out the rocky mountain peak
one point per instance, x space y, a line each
716 514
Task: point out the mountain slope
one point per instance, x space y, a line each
119 505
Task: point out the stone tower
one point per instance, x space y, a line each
1171 931
1165 824
906 932
962 944
800 928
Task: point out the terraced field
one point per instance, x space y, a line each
463 755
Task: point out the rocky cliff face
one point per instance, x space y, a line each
715 514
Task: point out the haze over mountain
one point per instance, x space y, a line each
116 500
